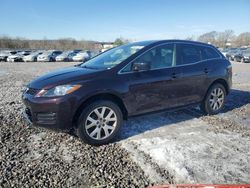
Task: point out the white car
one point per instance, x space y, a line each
82 56
18 57
32 57
48 56
6 53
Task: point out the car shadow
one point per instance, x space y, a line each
144 123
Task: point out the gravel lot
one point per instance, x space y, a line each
168 147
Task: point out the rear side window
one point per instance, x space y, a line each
187 54
209 53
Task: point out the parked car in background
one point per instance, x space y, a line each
66 56
246 56
49 55
243 57
32 57
6 53
93 98
82 56
232 52
18 57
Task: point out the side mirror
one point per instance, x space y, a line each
141 66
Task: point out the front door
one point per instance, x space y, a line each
159 87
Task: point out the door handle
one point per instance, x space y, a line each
175 75
206 70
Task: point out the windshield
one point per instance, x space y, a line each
115 56
246 52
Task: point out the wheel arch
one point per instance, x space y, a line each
222 82
101 96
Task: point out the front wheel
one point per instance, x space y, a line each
99 122
214 100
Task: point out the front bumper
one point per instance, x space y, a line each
28 60
51 113
246 60
61 59
78 59
43 59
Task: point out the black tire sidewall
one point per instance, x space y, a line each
81 131
205 104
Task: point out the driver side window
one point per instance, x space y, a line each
159 57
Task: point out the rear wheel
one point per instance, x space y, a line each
99 122
214 100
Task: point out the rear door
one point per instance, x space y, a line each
194 72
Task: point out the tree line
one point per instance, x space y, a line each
226 38
223 39
60 44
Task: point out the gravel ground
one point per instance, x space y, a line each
34 157
170 147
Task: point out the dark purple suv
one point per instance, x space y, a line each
94 98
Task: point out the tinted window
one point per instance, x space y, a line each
187 54
114 56
209 53
159 57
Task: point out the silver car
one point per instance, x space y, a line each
66 56
82 56
48 56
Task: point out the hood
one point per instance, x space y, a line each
44 55
62 56
62 76
15 56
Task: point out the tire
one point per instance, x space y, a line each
100 131
211 105
242 60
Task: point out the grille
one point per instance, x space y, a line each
32 91
46 118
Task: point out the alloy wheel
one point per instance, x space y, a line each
101 123
216 99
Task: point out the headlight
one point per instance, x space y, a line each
58 91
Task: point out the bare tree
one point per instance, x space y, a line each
224 38
243 39
209 37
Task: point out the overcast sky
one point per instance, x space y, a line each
105 20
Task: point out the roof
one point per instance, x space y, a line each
177 40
